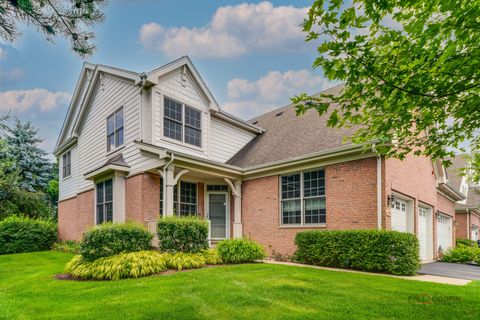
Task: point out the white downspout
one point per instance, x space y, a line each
379 189
143 77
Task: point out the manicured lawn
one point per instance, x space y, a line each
28 290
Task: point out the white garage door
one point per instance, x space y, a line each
444 232
474 235
399 215
423 233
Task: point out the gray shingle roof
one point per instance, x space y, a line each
288 135
454 173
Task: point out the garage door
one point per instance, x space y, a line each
399 215
423 233
444 232
474 235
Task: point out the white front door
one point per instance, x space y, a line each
218 215
399 215
474 233
444 232
423 232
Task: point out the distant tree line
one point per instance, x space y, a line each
28 179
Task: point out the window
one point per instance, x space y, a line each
105 201
184 198
303 198
67 164
217 187
182 123
115 130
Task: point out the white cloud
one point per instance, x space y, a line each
24 100
11 74
232 31
3 53
251 98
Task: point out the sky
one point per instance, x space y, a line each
252 55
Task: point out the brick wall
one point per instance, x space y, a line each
462 228
75 216
142 197
350 204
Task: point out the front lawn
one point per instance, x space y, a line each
28 290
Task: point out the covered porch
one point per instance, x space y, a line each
190 186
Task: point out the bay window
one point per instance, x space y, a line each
303 198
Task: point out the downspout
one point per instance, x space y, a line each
143 77
164 184
469 232
379 188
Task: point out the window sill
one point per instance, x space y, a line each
183 144
67 178
303 226
109 153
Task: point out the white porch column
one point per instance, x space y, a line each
236 188
169 181
118 197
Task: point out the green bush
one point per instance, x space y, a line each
182 234
367 250
109 239
69 246
462 254
120 266
185 260
240 251
466 242
26 235
212 256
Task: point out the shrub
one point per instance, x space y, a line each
26 235
69 246
462 254
109 239
120 266
184 260
368 250
211 256
466 242
240 251
182 234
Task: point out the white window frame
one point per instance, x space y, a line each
115 130
302 200
67 164
179 197
184 106
104 202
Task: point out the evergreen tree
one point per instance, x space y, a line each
28 159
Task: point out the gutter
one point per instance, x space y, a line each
238 122
451 192
69 143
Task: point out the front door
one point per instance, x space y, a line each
218 215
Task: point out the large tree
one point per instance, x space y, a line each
72 19
411 70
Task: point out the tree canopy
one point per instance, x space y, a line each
411 70
72 19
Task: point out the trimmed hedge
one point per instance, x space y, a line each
367 250
462 254
120 266
466 242
109 239
240 251
182 234
26 235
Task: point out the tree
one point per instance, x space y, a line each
411 70
28 159
71 19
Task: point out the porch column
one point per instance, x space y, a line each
169 181
236 188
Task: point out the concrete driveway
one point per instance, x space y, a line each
452 270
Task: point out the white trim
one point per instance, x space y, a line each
227 210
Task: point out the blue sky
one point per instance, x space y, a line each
251 54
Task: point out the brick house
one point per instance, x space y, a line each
467 211
138 146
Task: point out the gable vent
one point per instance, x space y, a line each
279 114
255 122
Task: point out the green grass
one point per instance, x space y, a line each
28 290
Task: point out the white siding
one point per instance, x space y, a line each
226 140
68 186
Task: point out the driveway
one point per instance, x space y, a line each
452 270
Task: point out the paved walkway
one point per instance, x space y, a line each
453 270
422 277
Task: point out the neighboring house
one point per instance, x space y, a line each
136 146
467 211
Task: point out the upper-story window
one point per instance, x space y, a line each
182 123
303 198
115 130
66 164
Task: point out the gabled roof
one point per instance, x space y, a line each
454 172
288 136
